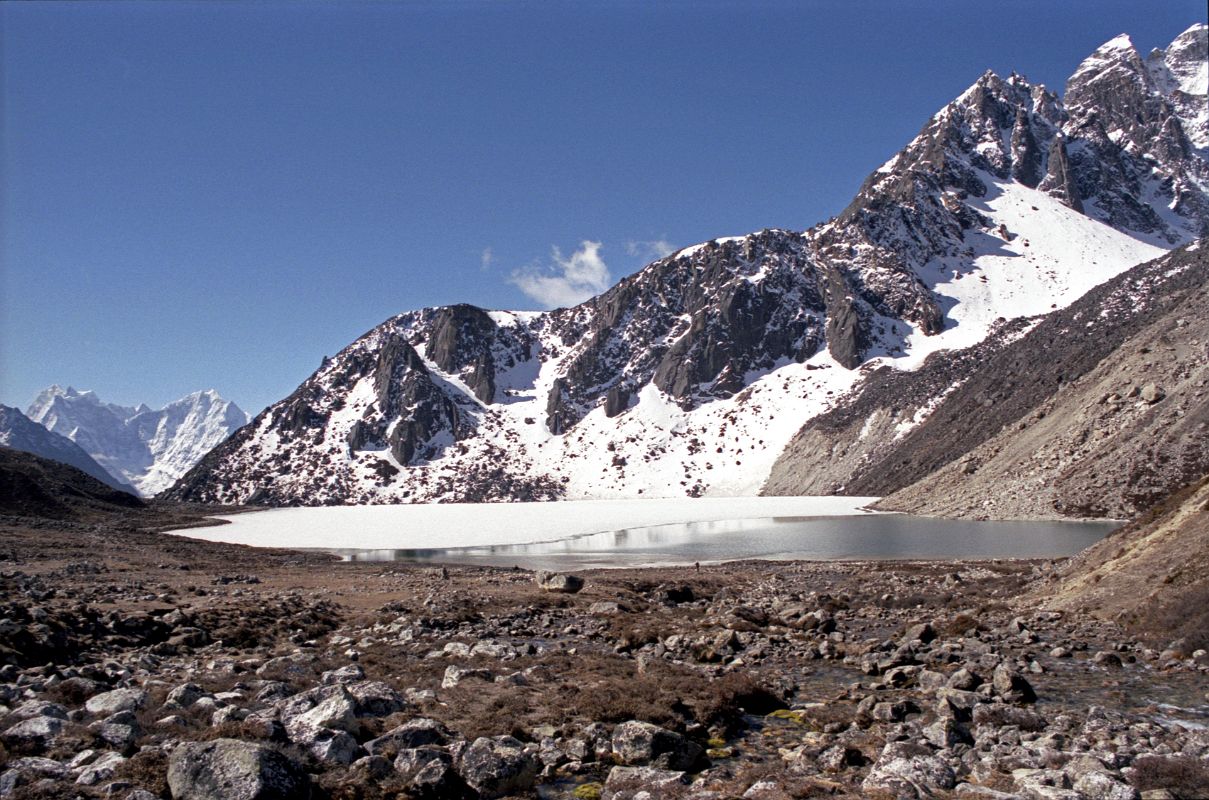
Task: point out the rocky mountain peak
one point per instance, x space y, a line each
1181 75
1138 137
690 375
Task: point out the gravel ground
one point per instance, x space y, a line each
141 665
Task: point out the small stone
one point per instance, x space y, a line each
454 675
185 695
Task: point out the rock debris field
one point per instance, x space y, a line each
138 666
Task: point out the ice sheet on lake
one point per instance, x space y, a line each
423 526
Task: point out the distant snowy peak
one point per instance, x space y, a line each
690 376
146 448
19 432
45 403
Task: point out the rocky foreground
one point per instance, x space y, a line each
139 665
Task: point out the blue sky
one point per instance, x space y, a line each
217 195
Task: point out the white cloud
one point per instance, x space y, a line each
650 250
486 258
566 281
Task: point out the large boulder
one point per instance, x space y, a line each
228 769
559 582
641 743
497 766
906 770
419 732
429 773
108 703
32 733
338 712
376 699
24 771
1012 686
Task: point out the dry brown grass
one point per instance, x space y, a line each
571 692
1183 776
147 769
1183 615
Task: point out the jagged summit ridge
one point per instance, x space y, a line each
690 376
148 449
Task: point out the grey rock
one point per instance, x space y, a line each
33 732
909 770
559 582
641 743
1101 786
497 766
106 703
100 770
228 769
412 734
629 783
185 695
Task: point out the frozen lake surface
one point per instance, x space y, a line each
616 533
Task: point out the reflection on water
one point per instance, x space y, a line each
877 536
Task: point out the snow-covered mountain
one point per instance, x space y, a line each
149 449
690 376
19 432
